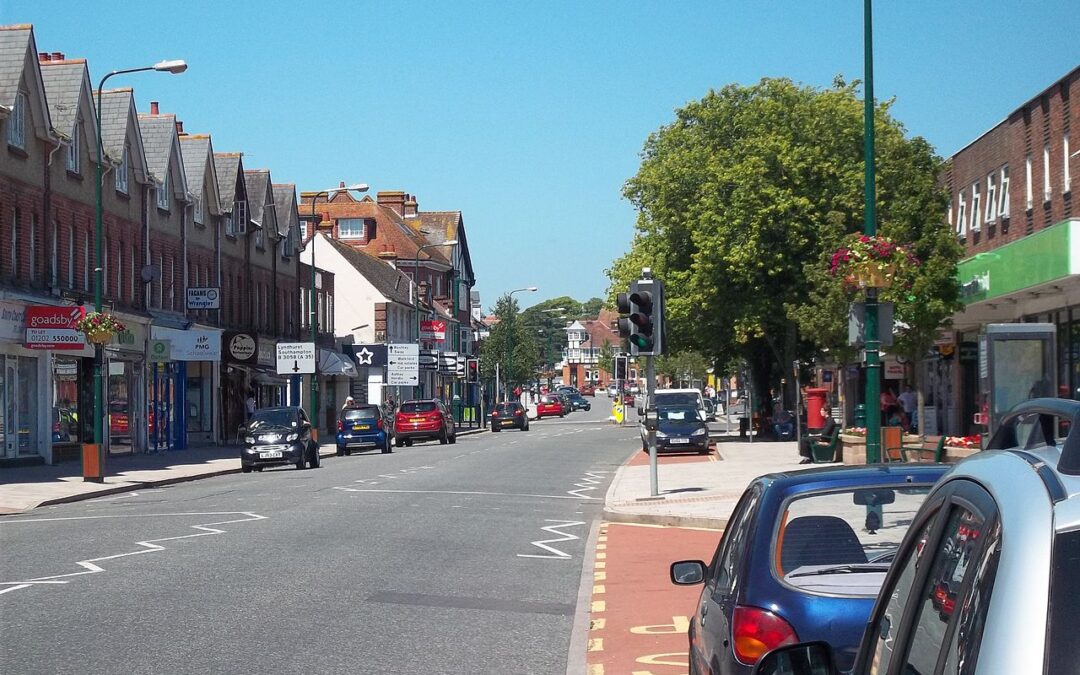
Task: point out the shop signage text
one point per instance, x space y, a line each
190 345
433 330
204 298
239 347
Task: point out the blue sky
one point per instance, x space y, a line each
528 117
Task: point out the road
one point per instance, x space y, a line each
464 558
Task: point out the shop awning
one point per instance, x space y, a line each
333 363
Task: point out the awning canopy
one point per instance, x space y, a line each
333 363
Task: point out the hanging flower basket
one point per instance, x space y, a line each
871 262
99 327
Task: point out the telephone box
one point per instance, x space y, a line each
1016 362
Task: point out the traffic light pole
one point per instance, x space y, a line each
650 398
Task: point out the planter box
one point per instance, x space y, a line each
853 449
954 454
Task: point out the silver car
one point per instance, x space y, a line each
987 579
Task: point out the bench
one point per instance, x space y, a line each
920 448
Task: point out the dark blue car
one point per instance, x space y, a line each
361 427
802 558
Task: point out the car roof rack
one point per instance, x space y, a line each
1048 410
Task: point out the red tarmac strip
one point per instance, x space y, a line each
639 618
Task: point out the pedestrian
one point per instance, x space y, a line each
249 405
887 399
909 401
349 403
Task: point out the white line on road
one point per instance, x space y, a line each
149 545
591 479
457 492
555 553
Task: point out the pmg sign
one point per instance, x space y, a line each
49 327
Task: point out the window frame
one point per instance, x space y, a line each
74 154
743 523
16 122
1029 195
197 209
1066 174
351 234
1003 193
163 193
961 216
121 181
991 198
976 203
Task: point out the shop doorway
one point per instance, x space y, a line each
18 396
161 394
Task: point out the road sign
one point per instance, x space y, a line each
448 363
459 372
204 298
295 358
403 365
429 359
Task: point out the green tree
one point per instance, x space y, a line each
591 308
607 357
682 367
511 345
745 195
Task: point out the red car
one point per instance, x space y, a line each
550 405
587 390
424 419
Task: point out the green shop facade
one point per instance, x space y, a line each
1035 279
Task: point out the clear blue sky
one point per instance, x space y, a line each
526 116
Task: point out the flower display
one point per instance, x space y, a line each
854 431
99 327
871 261
963 441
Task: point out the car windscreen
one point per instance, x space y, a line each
419 406
841 542
360 413
507 407
264 419
685 414
677 398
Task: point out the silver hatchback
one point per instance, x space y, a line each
987 579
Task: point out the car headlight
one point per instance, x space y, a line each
292 437
699 432
250 440
661 434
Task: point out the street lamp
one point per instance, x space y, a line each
175 67
510 329
313 391
416 296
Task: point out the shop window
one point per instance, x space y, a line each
65 400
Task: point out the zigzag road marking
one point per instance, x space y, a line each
590 481
554 553
149 546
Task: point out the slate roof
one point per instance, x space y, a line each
392 283
14 42
227 165
285 200
257 181
440 225
115 108
157 133
63 82
195 150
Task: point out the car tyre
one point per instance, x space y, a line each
340 451
453 439
258 469
408 442
443 438
301 463
245 468
316 459
494 429
399 441
348 451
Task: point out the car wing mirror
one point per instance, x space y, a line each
802 658
687 572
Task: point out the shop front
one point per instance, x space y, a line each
181 388
23 374
129 416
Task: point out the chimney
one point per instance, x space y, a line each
58 56
410 206
341 184
179 127
153 107
43 57
424 291
389 255
393 199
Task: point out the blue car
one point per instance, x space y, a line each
802 558
361 427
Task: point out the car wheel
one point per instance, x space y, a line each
494 429
453 439
399 441
348 452
258 469
443 438
302 462
408 442
245 469
316 459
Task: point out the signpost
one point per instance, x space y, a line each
429 359
204 298
448 363
403 365
295 358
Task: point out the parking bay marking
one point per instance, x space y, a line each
149 545
554 553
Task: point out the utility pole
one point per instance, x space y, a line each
873 356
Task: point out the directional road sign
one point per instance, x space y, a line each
429 359
403 365
448 363
295 358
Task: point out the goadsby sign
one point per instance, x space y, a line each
49 327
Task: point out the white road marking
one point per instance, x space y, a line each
456 492
554 553
149 545
591 479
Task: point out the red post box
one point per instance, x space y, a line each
817 410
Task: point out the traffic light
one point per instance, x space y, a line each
622 324
646 317
472 370
620 366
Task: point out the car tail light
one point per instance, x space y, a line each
340 425
379 423
517 412
756 631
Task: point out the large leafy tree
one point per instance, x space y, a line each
743 197
511 345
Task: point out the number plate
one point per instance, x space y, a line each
507 422
679 440
361 427
270 455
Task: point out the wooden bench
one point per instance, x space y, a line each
920 448
823 448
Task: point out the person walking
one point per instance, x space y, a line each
909 401
249 405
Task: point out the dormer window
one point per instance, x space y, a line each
16 125
122 173
259 237
73 154
229 229
351 228
163 194
197 209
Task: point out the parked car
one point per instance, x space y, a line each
426 419
612 390
550 405
361 427
587 390
578 402
986 579
278 436
679 429
564 398
802 558
680 397
509 415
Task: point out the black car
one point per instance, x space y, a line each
680 429
278 436
509 415
578 402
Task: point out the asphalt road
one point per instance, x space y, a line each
462 558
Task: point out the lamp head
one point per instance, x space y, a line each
452 242
531 288
175 66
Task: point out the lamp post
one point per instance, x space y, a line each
313 391
873 357
510 331
416 296
175 67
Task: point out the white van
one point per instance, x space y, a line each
680 397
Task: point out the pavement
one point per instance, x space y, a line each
28 487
